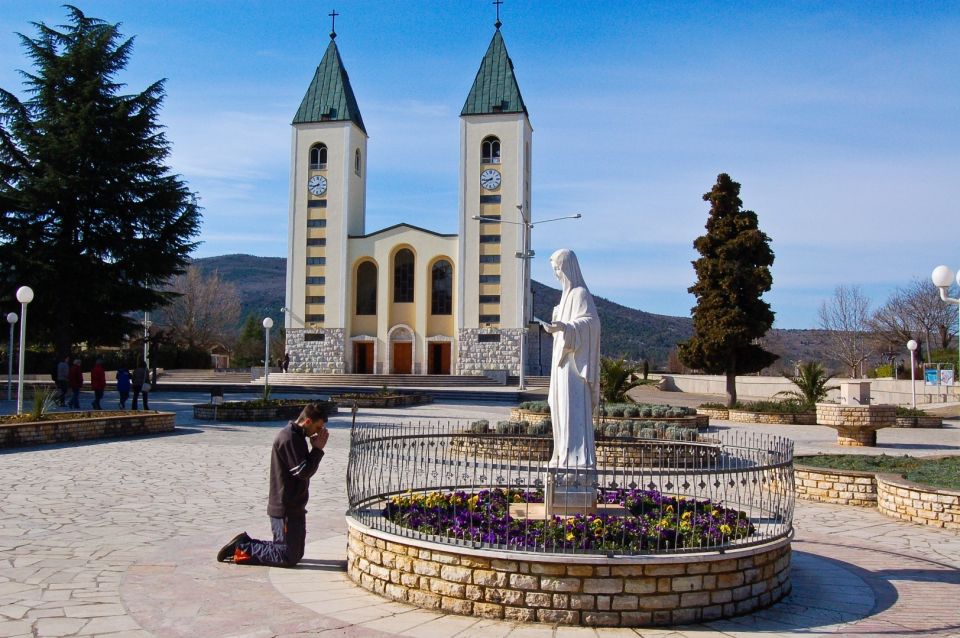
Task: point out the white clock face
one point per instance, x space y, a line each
490 179
317 185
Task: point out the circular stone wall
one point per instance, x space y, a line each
569 589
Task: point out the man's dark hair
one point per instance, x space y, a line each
314 411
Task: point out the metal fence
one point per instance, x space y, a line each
443 483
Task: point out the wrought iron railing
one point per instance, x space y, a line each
726 489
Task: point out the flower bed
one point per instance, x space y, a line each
694 420
64 427
257 410
656 522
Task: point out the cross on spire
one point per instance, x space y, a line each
333 24
497 3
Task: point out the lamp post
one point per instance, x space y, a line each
942 278
146 341
267 324
24 296
912 347
12 319
525 255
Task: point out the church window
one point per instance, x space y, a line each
489 199
316 281
442 288
489 279
490 150
367 288
316 299
316 261
356 162
489 259
316 223
403 276
316 241
318 157
313 336
489 298
315 318
488 338
489 318
489 239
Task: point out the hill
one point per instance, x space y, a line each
625 331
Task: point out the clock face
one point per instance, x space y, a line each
317 185
490 179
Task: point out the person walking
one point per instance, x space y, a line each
75 380
123 385
291 467
141 385
98 381
285 364
63 380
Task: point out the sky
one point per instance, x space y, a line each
841 121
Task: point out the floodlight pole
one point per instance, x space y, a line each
912 347
525 255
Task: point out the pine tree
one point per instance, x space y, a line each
733 272
90 216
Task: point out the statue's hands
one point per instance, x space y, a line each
553 326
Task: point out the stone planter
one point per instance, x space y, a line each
235 411
595 591
698 421
856 425
714 413
99 426
919 422
909 501
382 400
772 418
843 487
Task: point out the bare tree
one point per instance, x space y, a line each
914 312
845 316
205 312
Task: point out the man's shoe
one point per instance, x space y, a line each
228 550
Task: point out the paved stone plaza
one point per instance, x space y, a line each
117 538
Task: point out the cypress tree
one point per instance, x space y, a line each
733 272
90 216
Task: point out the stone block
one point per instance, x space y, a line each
519 614
456 606
602 585
557 617
536 599
601 618
687 583
583 601
488 610
548 569
489 578
695 599
635 618
554 584
424 599
503 565
624 602
504 596
397 592
524 581
579 570
664 570
646 585
445 588
456 574
426 568
560 601
666 601
684 616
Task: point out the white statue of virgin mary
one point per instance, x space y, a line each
575 369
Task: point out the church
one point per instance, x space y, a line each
405 299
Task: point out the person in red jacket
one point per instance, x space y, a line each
75 379
98 381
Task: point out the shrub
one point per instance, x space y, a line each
631 412
647 433
713 406
502 427
480 427
646 411
611 430
616 411
904 411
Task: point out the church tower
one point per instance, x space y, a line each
495 155
327 204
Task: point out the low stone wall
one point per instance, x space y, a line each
100 427
844 487
228 412
918 422
714 413
383 401
699 421
903 499
772 418
526 448
569 589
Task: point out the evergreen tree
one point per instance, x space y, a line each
90 216
733 272
250 346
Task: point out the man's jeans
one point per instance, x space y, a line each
286 549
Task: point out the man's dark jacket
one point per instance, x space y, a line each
291 466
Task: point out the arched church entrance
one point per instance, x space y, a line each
438 355
401 350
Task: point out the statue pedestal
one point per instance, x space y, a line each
570 492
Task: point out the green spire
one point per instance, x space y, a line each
330 97
495 89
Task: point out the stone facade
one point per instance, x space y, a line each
325 356
569 589
844 487
473 357
67 430
714 413
856 425
921 504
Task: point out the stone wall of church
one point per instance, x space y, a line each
474 356
326 357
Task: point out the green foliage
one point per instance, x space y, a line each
265 397
714 406
44 400
733 272
250 347
884 370
480 427
616 378
784 406
90 216
537 407
811 384
905 411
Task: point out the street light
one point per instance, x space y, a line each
146 342
24 296
267 324
912 347
12 319
526 255
942 277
